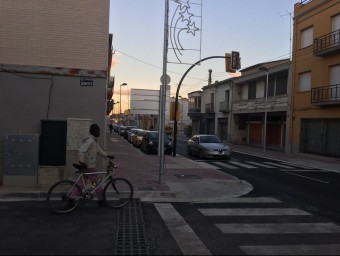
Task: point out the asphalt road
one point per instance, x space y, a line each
28 228
315 190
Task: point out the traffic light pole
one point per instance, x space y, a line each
174 145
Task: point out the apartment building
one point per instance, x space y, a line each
55 58
209 109
316 78
260 105
236 109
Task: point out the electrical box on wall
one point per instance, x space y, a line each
21 154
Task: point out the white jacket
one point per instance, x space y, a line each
87 152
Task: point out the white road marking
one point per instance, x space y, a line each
259 164
186 239
275 228
305 170
251 200
302 176
206 165
243 165
279 165
301 249
251 211
226 165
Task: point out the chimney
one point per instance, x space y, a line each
209 80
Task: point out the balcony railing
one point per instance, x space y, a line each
209 108
326 95
224 106
327 44
194 110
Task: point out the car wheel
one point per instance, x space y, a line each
189 151
200 154
147 150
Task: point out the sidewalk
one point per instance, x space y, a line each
183 180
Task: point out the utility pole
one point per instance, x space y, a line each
165 79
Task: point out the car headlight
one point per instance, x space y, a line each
169 144
150 143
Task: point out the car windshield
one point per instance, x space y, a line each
141 133
210 139
154 136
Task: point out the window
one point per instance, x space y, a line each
281 85
307 37
305 82
261 88
336 23
244 89
226 95
336 27
335 82
271 87
252 90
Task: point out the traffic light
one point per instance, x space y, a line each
228 63
235 60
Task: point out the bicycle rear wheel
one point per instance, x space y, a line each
118 192
64 196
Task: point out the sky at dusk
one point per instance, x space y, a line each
261 30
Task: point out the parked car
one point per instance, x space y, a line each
126 133
149 143
208 146
132 134
137 138
122 130
116 127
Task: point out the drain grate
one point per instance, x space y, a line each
130 233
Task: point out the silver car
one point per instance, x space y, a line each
208 146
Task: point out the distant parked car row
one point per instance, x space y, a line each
146 140
202 145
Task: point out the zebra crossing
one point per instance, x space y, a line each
257 225
236 164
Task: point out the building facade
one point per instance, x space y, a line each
260 105
209 109
144 109
54 75
236 109
316 78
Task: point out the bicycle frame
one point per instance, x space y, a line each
65 195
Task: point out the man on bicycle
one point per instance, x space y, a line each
87 155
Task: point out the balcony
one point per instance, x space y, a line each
329 95
194 111
327 44
224 107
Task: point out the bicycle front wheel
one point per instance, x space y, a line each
64 196
118 192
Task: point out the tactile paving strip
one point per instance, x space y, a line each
130 233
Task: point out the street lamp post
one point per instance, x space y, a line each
265 111
120 101
182 116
